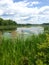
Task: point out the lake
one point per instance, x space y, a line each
22 31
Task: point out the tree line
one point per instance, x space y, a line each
7 22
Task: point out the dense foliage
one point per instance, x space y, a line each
33 50
45 23
7 22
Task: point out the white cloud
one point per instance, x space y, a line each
1 12
34 3
5 2
44 8
19 11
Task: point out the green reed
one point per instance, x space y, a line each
20 51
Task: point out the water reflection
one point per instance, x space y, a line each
21 30
31 30
8 33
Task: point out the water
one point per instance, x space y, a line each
30 30
22 31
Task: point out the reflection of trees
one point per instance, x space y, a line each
13 33
0 33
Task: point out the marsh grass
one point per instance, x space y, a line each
24 52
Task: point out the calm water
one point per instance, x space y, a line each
22 30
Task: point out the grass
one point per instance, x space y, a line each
33 50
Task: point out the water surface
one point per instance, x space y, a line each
22 30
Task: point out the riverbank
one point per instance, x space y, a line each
34 50
8 27
7 24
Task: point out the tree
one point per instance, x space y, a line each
7 22
1 21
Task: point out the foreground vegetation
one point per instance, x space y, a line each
33 50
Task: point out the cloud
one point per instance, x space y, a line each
34 3
44 8
22 13
2 2
1 12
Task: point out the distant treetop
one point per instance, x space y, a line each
7 22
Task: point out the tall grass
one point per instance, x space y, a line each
33 50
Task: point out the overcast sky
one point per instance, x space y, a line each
25 11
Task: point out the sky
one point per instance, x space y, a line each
25 11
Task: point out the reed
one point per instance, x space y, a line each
33 50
